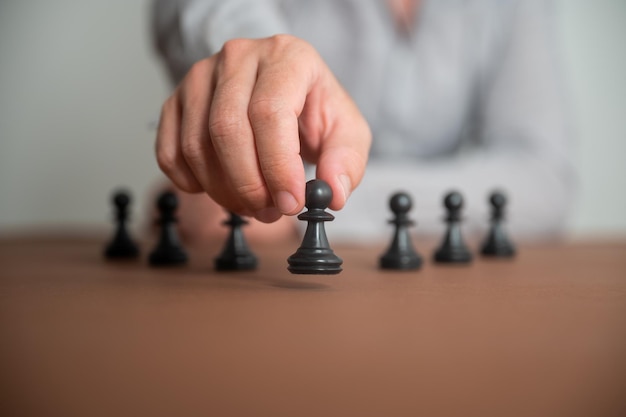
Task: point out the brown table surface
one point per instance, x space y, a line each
542 335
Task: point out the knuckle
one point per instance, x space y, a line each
224 126
274 166
191 147
253 194
234 47
264 109
282 40
230 58
282 45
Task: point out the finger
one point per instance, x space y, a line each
276 102
168 151
195 143
343 154
231 134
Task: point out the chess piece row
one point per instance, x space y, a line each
314 256
169 252
401 255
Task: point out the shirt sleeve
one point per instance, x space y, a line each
186 31
520 142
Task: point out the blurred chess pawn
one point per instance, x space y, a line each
453 249
168 250
497 244
401 254
122 245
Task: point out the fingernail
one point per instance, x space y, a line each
268 215
346 184
286 202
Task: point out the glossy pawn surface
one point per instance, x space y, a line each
236 255
497 243
169 250
453 248
401 254
314 256
122 245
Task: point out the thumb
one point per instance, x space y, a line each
343 157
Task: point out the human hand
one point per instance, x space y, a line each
240 123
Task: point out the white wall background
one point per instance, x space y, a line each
593 34
79 89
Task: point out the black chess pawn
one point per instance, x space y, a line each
453 248
236 256
401 255
168 251
497 244
122 245
314 256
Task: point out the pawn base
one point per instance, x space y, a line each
453 256
314 261
402 262
498 251
121 251
167 257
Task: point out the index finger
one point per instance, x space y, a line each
276 103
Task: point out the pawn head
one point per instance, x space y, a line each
167 202
318 194
453 201
497 199
400 203
121 199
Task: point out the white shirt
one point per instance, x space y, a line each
471 100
